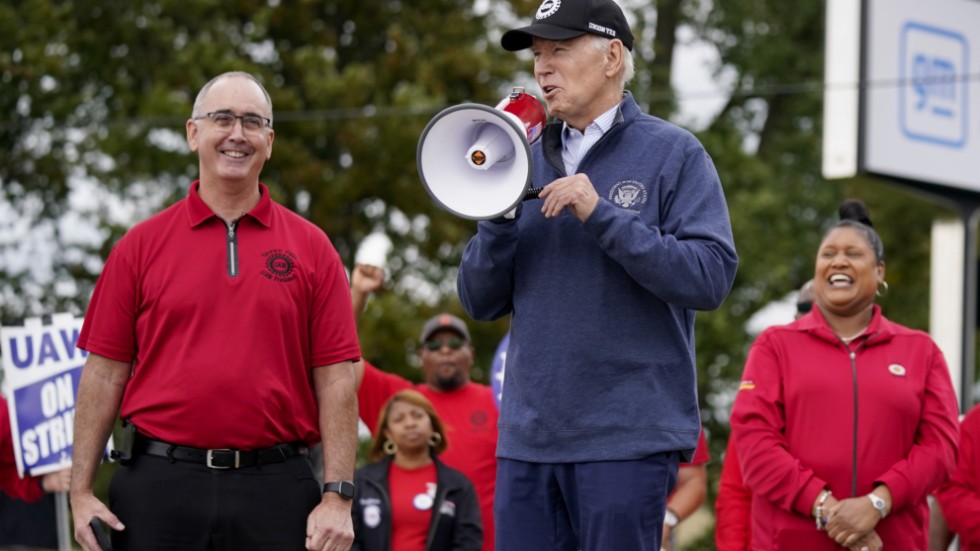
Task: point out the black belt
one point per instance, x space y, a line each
223 458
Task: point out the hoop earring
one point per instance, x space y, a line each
435 440
882 290
390 447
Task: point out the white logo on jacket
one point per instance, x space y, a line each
447 508
372 516
628 193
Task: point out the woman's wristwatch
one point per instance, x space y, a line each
878 503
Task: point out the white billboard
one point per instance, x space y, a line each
918 103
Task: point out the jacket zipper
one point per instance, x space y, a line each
854 461
434 525
854 377
232 244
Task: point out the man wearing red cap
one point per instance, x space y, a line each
466 407
601 278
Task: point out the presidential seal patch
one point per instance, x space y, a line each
629 194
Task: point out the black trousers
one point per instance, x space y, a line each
188 507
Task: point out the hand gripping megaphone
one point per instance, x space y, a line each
475 161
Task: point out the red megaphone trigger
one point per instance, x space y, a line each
528 110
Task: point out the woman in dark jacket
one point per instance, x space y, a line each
408 500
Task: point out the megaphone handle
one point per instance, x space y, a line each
533 193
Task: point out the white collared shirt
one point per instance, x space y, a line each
575 144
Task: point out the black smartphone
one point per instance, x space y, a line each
101 533
124 440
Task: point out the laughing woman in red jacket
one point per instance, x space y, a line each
844 421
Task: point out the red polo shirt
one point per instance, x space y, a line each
223 328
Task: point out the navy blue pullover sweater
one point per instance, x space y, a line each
600 364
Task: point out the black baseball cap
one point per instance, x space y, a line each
444 321
566 19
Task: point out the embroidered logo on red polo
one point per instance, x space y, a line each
897 370
280 265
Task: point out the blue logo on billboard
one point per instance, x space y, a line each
933 97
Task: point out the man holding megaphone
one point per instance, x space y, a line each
602 277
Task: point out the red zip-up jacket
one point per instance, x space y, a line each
814 413
733 506
960 497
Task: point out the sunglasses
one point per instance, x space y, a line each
454 343
804 307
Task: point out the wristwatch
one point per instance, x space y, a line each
344 488
670 519
878 504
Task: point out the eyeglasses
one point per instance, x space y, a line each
804 307
224 119
454 343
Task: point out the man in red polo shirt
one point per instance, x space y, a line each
222 329
467 408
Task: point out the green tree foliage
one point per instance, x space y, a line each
99 91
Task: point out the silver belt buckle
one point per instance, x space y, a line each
213 466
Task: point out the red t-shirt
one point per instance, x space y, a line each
733 507
413 492
701 453
701 456
221 357
27 488
470 416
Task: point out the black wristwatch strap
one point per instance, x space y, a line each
344 488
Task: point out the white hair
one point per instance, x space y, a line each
601 44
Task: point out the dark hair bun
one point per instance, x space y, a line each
852 209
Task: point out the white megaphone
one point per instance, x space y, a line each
475 161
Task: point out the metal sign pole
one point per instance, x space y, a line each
63 517
968 209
